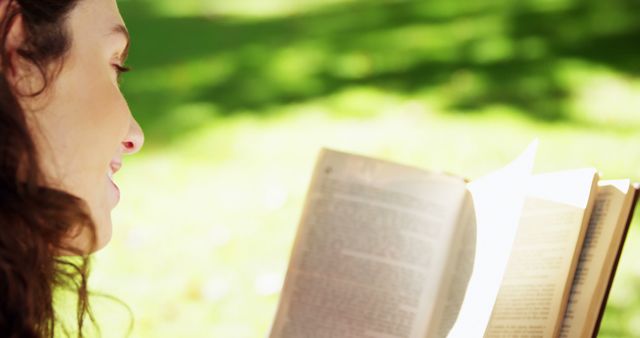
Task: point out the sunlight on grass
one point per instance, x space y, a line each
203 234
601 95
244 8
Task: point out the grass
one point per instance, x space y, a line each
236 100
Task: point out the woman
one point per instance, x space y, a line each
64 127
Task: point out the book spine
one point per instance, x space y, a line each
603 305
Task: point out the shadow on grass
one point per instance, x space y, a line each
471 55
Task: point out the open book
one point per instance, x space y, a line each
387 250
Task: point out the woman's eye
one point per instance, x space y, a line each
120 69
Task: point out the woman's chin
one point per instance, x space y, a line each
103 228
82 243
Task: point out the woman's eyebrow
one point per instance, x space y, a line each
122 30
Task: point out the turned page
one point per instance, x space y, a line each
497 204
602 242
370 252
458 274
535 287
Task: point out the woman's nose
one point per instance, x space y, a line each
135 138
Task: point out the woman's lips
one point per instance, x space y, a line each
115 165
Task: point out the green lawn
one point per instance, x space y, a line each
236 100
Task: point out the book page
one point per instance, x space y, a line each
371 250
459 272
497 201
535 288
601 244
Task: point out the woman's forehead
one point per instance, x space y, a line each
97 15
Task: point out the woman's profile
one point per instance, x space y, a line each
64 128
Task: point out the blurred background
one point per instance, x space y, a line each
237 97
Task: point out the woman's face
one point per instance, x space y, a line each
82 124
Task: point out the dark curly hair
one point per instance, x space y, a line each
35 219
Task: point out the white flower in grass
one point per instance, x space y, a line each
268 284
275 196
216 288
